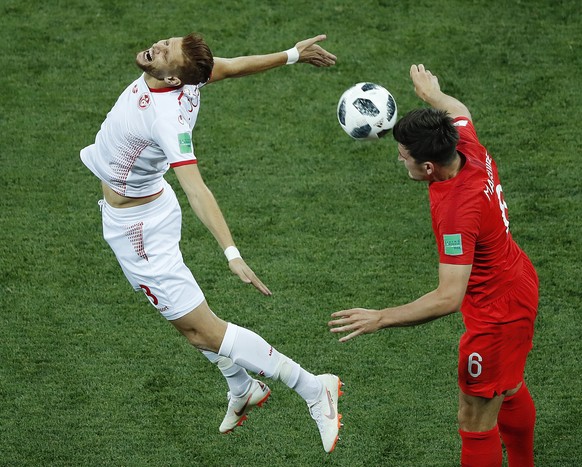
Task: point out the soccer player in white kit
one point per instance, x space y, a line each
149 130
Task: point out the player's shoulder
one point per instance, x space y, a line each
465 127
461 121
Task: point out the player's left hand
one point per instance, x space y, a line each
310 52
357 320
246 274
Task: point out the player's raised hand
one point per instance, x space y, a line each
356 321
311 52
246 274
426 85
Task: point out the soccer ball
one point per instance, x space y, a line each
366 111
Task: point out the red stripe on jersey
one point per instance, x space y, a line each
179 164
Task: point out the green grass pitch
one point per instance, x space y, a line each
90 375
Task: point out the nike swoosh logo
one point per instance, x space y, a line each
331 415
240 412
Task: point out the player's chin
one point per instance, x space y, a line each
143 64
140 59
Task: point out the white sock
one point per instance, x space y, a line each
251 351
237 378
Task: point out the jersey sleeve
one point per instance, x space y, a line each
175 140
467 133
457 229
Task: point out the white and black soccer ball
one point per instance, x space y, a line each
366 111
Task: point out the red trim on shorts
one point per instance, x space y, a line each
180 164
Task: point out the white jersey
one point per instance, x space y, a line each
146 132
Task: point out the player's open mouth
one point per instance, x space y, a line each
148 55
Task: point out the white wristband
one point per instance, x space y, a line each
292 55
232 253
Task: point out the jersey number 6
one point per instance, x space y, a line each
474 364
502 206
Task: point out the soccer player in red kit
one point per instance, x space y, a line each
482 272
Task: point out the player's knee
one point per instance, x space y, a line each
203 329
200 337
466 419
201 340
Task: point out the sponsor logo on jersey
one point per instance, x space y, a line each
453 244
144 101
134 90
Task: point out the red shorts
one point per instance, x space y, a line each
492 355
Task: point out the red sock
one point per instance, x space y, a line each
481 449
516 421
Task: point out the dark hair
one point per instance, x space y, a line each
198 60
428 134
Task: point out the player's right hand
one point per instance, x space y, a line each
246 274
355 321
426 85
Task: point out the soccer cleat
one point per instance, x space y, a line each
238 407
325 413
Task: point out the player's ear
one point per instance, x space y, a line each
173 81
429 167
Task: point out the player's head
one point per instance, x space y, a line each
428 135
178 60
427 142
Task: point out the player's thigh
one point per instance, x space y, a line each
478 413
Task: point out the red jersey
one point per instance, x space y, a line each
471 224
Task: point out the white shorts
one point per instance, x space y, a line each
145 240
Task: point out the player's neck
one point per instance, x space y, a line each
155 83
451 170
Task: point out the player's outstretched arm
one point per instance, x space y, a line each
426 86
306 51
207 210
442 301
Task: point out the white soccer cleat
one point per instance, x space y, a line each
325 413
238 407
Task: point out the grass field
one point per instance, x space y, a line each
91 375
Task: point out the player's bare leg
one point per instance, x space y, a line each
479 430
203 329
478 414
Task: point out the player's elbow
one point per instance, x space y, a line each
450 302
